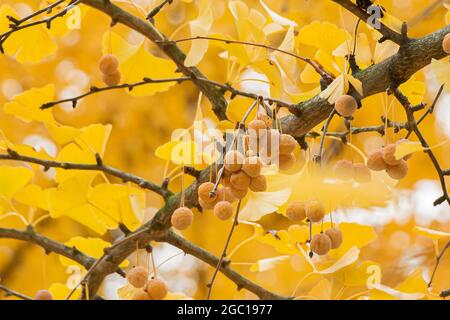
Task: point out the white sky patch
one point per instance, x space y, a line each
258 87
416 203
443 113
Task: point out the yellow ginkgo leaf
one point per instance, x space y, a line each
121 202
323 35
92 140
407 147
414 90
93 247
164 151
29 44
60 291
62 134
33 195
276 17
200 27
261 203
322 290
12 179
267 264
356 274
27 105
430 233
347 259
237 108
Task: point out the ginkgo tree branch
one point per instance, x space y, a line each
10 292
200 253
50 245
16 26
118 15
386 31
130 86
413 55
99 166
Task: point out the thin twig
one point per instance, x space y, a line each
47 21
438 260
324 132
99 166
130 86
155 11
328 76
10 292
224 252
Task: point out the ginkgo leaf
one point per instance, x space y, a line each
33 195
340 86
121 202
278 18
200 27
430 233
267 264
136 63
92 140
322 290
12 179
356 274
323 35
414 90
62 134
237 108
29 44
407 147
27 105
347 259
93 247
414 287
261 203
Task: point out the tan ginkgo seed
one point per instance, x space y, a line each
182 218
43 295
137 277
252 166
108 64
346 105
315 211
157 289
258 184
223 210
376 162
398 171
295 211
320 244
240 180
204 192
389 154
335 235
233 161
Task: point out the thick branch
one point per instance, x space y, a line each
48 245
213 261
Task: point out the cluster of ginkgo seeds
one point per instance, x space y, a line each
347 170
153 289
109 66
221 200
314 211
384 159
285 142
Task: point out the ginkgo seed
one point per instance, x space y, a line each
137 277
233 161
108 64
238 193
376 162
286 161
346 105
140 295
389 154
157 289
315 211
182 218
252 166
295 211
259 126
205 205
43 295
398 171
204 192
223 210
240 180
335 235
343 170
320 244
258 184
112 79
287 143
